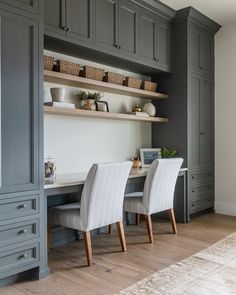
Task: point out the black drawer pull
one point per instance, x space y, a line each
23 232
23 206
193 177
23 256
193 191
193 204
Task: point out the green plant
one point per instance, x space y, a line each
168 153
82 95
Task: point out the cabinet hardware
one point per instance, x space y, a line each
23 256
193 191
116 46
23 206
68 30
193 177
23 231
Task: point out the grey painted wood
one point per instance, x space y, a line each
54 16
28 5
163 45
106 26
80 20
129 32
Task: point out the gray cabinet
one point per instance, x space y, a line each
31 6
164 45
190 106
54 17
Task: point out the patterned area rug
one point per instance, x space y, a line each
209 272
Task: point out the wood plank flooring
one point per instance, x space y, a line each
114 270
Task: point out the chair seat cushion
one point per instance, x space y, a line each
134 205
133 195
75 205
66 217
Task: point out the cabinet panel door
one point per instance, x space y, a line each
128 29
148 25
54 16
28 5
19 103
194 122
207 123
163 45
79 20
207 53
195 48
106 15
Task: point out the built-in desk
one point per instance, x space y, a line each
73 183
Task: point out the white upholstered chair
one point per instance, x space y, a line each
158 193
101 203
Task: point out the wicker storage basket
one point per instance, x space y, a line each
149 86
66 67
48 62
92 73
114 78
132 82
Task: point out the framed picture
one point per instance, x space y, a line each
102 106
149 155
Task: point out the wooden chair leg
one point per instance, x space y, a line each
137 218
149 227
49 237
110 229
172 220
120 228
88 247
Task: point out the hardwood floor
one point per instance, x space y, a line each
114 270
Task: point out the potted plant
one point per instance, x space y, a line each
168 153
88 99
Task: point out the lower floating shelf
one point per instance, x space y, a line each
102 115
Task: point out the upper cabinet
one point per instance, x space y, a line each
27 5
120 28
201 50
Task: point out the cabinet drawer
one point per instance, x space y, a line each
19 232
19 259
205 176
18 206
197 206
201 191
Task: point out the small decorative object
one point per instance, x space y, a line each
58 94
88 99
136 163
168 153
114 78
49 169
102 106
132 82
150 109
66 67
149 86
136 108
149 155
48 62
92 73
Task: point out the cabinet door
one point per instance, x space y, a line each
19 161
54 17
163 45
106 15
27 5
128 29
148 26
79 20
195 49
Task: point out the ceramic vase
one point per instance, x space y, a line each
150 109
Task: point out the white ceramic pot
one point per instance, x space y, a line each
150 109
58 94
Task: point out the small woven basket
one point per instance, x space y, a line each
92 73
149 86
66 67
114 78
132 82
48 62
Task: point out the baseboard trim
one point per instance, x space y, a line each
226 208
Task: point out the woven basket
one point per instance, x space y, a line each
114 78
66 67
149 86
132 82
48 62
92 73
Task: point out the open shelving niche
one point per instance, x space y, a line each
75 81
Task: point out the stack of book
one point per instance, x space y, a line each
140 114
64 105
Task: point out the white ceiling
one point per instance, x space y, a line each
221 11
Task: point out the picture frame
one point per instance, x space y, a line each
148 155
102 106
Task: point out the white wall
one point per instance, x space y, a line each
76 143
225 120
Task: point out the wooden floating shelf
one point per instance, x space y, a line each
102 115
75 81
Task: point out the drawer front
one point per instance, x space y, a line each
19 232
203 176
202 191
19 206
197 206
18 260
